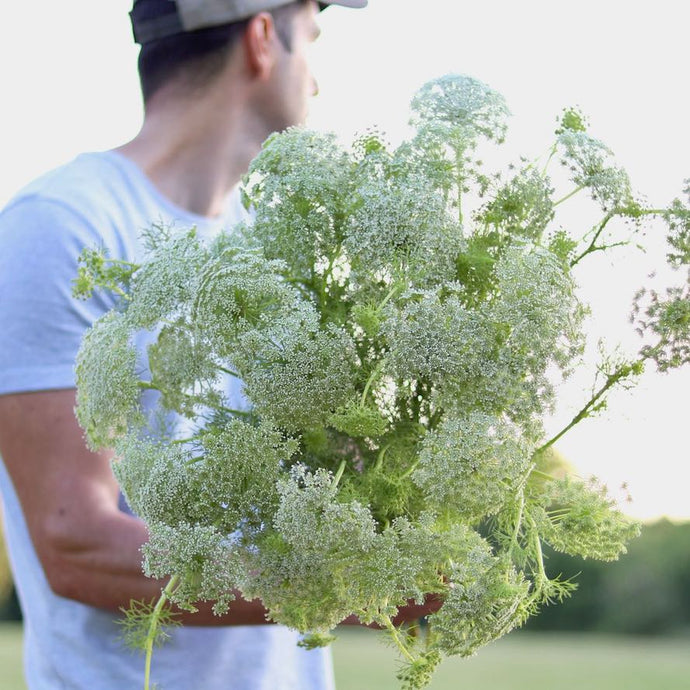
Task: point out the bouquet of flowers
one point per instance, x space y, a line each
399 352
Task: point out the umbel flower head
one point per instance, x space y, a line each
107 386
299 186
238 290
296 373
459 110
470 466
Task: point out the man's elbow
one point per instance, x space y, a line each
64 583
63 558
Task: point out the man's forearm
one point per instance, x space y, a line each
108 574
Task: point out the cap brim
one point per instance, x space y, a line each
345 3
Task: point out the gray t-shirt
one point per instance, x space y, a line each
104 199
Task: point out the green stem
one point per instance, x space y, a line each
598 229
231 411
600 248
149 385
552 153
538 552
556 516
338 475
370 381
518 523
459 167
122 262
182 441
229 372
153 627
396 638
379 459
391 293
611 380
408 472
568 196
328 273
120 292
542 475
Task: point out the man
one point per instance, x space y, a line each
217 78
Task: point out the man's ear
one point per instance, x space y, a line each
259 43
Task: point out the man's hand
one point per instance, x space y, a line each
406 614
413 612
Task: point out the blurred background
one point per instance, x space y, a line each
69 85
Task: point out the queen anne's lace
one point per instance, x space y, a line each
399 357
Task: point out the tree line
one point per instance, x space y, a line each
645 592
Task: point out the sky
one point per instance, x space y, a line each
69 85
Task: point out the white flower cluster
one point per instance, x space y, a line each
470 466
107 386
590 163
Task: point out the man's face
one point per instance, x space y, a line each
292 83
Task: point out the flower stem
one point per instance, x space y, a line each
518 523
392 292
541 475
153 627
623 371
229 372
396 638
147 385
338 475
568 196
552 153
410 470
370 380
536 541
379 458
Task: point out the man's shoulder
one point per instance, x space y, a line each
97 198
105 197
88 183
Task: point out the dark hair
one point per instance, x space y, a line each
195 58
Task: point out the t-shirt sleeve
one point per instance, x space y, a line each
41 324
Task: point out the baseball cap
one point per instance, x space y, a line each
155 19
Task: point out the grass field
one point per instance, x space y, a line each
522 661
529 661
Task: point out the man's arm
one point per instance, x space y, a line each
89 548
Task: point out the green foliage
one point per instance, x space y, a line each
582 520
678 220
523 206
418 673
398 356
572 120
487 600
590 165
655 571
97 270
137 628
666 316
